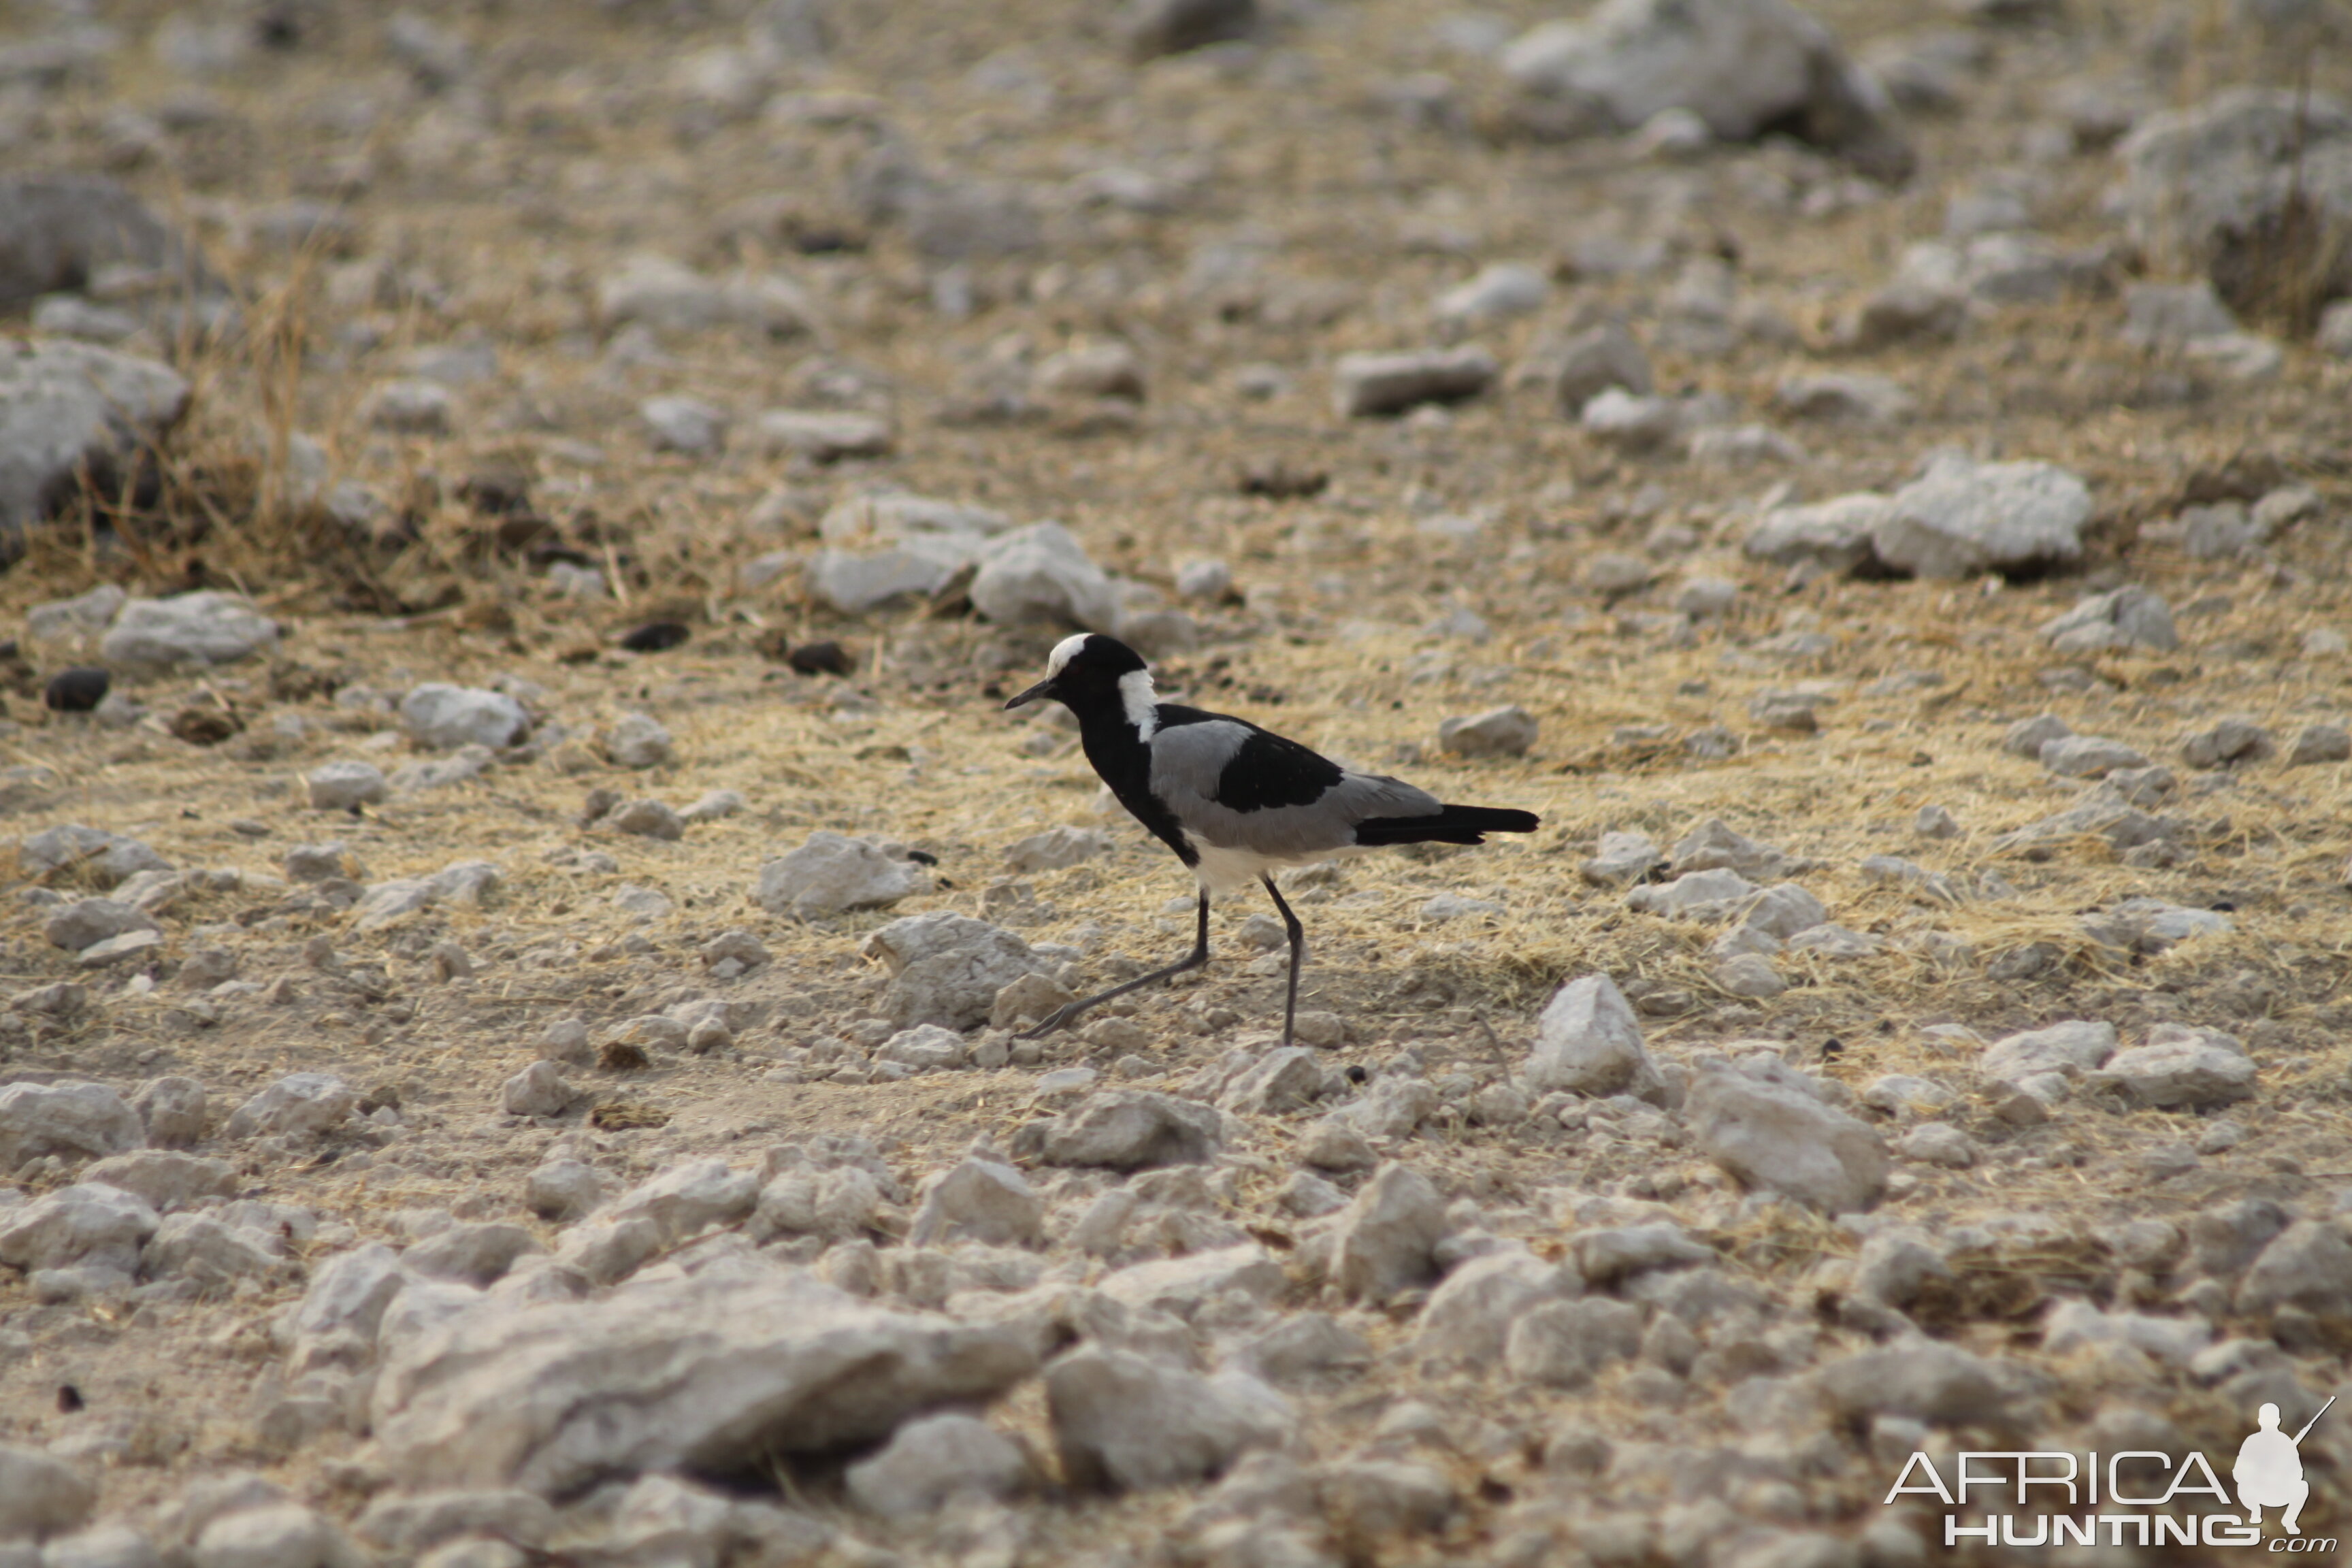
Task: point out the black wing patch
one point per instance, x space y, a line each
1270 772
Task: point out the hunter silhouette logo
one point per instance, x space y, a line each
2269 1471
2136 1497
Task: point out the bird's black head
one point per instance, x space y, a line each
1089 671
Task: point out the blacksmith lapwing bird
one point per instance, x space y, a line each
1234 802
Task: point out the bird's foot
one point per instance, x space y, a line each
1059 1018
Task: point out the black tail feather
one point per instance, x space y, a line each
1451 824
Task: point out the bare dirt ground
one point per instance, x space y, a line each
1286 201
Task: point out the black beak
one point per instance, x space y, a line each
1043 688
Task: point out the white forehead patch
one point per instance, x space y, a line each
1064 651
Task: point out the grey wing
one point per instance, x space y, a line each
1238 787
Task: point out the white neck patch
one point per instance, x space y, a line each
1142 703
1064 651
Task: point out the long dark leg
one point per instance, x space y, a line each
1062 1016
1298 957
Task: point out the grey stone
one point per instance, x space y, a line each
821 436
410 406
1710 894
539 1089
689 1197
2185 1067
686 425
41 1496
1304 1346
980 1200
65 631
1918 1379
1285 1080
2235 740
1392 1108
830 874
2308 1266
413 1523
130 947
1736 448
925 1047
714 805
2153 926
1469 1316
947 969
1783 910
211 1256
102 1546
2167 315
1123 1422
1939 1143
1834 534
1127 1130
854 582
563 1190
314 863
70 1118
1498 732
1963 517
2121 618
1854 398
173 1110
1619 418
1042 572
1056 850
934 1460
639 741
87 922
1906 311
1621 857
88 1225
2089 756
1742 65
476 1253
1592 361
1336 1143
339 786
2079 1045
1562 1344
69 410
713 1373
57 232
647 819
1386 1238
441 717
1367 385
2028 736
1589 1042
1713 845
2207 186
1895 1266
387 903
669 297
166 1180
1609 1255
299 1105
1500 290
1776 1137
464 763
1097 370
282 1535
2321 744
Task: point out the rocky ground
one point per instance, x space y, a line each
525 894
